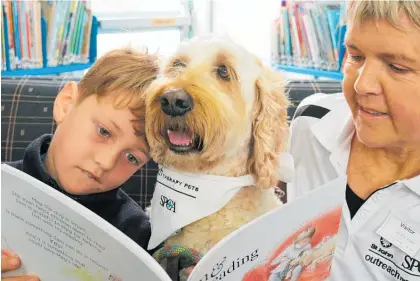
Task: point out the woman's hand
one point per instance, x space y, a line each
10 261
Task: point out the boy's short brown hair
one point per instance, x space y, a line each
121 73
389 10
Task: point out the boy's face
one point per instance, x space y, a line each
95 147
382 82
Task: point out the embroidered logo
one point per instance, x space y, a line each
167 203
385 243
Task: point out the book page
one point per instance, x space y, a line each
59 239
296 240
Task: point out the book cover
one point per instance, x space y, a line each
59 239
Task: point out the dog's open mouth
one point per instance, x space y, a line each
181 140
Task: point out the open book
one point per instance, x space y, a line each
58 239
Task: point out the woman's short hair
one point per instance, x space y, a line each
390 10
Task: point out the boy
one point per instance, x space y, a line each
99 143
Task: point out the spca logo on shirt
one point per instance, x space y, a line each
167 203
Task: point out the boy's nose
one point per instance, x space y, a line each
106 159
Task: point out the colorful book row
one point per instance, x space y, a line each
309 35
47 34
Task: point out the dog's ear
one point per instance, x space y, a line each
269 128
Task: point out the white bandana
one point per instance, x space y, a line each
181 198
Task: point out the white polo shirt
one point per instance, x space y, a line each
382 241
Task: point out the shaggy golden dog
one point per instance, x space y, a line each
216 109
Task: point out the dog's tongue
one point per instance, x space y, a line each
179 138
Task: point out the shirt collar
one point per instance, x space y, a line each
335 127
413 184
335 131
32 160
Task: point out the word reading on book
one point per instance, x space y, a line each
220 271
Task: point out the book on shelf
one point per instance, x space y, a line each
45 33
307 34
59 239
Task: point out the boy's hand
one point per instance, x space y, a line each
10 261
185 273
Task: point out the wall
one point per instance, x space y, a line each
247 22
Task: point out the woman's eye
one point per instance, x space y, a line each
355 58
223 72
132 159
398 69
103 132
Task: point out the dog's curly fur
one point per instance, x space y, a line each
242 124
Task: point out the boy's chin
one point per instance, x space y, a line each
74 188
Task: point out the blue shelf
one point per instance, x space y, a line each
309 71
47 70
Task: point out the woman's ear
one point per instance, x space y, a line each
65 101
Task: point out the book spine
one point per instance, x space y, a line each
29 34
8 10
86 40
23 34
288 39
297 52
16 34
3 41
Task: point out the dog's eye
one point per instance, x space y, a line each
178 63
223 72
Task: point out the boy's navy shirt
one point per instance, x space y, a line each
115 206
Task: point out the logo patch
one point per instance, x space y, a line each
385 243
167 203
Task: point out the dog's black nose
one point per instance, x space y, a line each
176 102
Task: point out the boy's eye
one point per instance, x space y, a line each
103 132
131 159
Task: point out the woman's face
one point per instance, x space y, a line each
382 83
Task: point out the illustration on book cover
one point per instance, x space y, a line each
305 255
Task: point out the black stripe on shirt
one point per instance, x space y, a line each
311 110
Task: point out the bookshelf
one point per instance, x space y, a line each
336 75
29 50
308 38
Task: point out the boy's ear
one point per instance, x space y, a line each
65 101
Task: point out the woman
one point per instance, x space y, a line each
371 132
